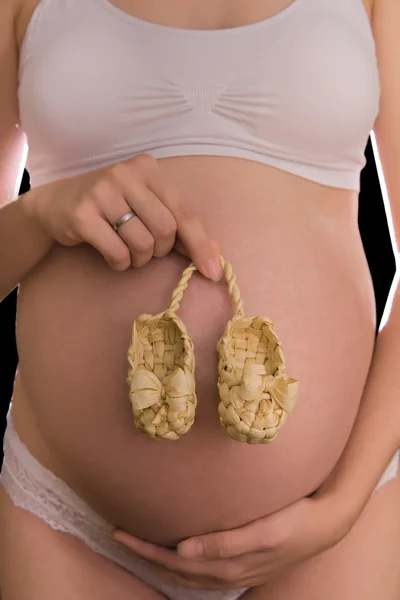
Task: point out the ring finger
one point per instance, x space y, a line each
134 233
155 216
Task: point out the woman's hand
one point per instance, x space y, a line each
250 555
84 208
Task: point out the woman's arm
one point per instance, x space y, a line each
81 209
22 242
376 433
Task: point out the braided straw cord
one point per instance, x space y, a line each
256 394
230 277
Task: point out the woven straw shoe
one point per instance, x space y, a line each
256 394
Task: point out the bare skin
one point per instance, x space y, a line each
75 315
363 566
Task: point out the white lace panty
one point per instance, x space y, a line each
36 489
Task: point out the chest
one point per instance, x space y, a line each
186 14
234 85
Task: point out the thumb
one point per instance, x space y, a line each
217 271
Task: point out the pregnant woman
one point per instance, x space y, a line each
160 133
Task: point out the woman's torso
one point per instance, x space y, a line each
296 250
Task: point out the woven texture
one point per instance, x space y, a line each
256 394
161 371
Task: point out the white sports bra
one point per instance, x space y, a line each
298 91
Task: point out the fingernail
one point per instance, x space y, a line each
117 536
214 269
191 549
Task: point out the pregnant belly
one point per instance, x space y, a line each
71 402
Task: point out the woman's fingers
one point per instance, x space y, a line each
97 232
150 210
202 249
179 247
85 207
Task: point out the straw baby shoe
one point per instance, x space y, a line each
256 394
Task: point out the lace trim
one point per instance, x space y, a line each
34 488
